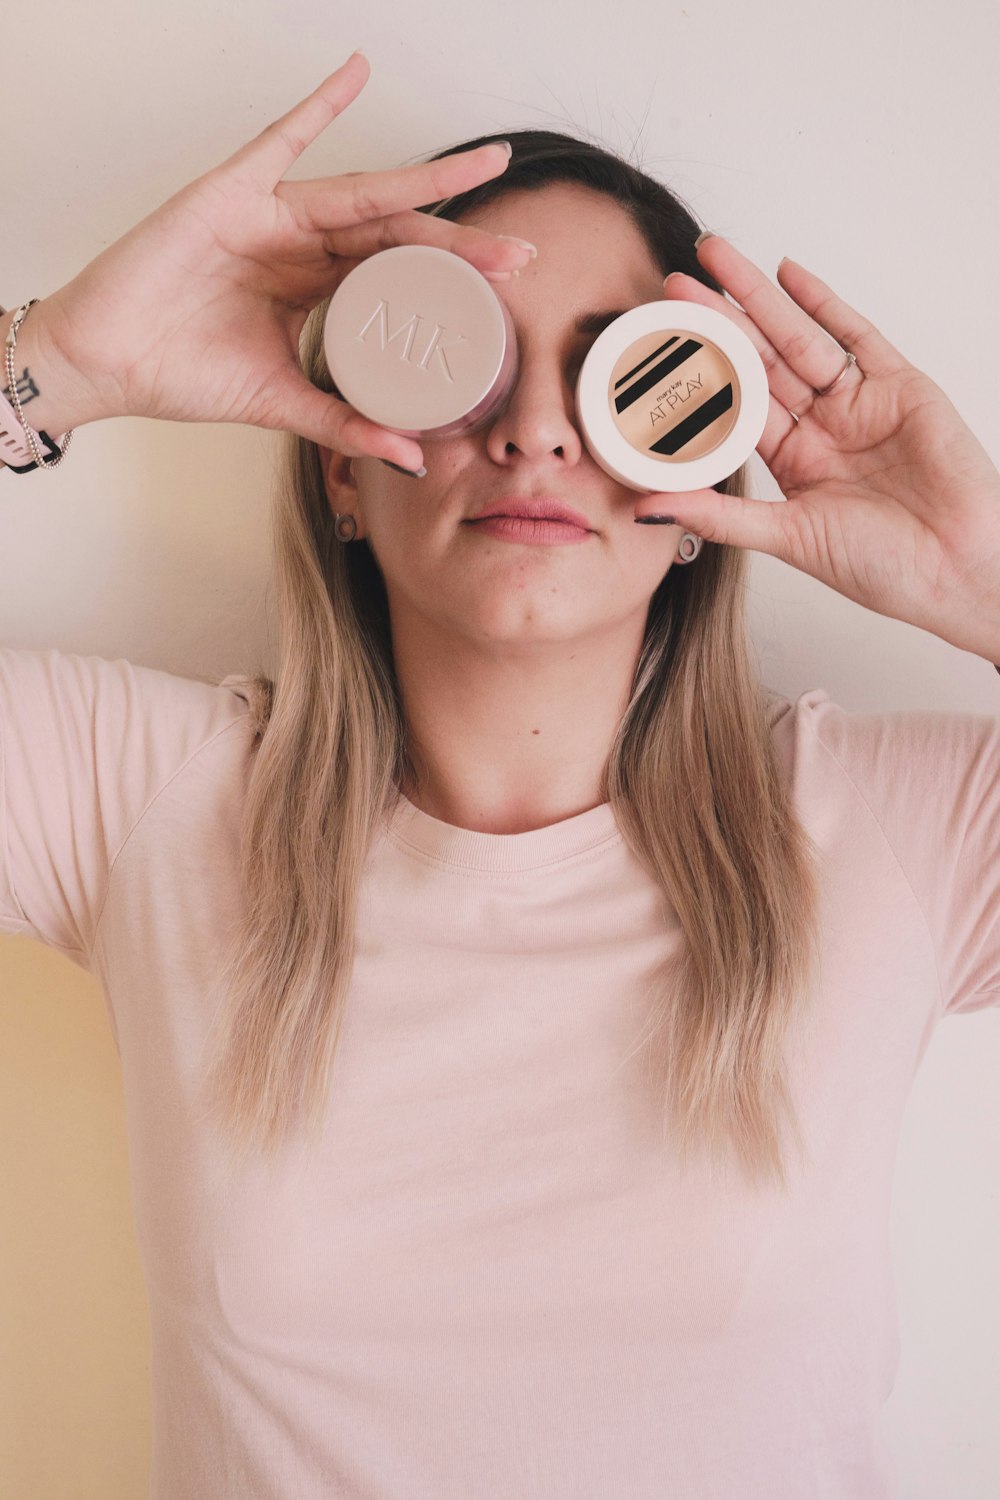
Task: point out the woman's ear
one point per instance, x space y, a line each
341 486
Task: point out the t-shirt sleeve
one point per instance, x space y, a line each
932 782
86 745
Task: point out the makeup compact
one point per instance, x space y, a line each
672 396
417 340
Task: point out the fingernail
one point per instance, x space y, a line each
506 146
706 234
655 521
412 473
525 244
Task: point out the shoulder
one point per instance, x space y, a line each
88 748
71 674
896 753
98 708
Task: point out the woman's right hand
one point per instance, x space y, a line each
195 314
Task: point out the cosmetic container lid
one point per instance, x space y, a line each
672 396
417 340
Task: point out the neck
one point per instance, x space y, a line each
507 739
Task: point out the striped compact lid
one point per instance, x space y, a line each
672 396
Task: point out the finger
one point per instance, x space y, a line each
354 198
785 386
298 406
792 329
785 390
852 330
731 520
266 159
486 251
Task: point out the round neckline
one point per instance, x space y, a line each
415 831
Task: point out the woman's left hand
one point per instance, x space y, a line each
892 500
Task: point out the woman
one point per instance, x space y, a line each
555 928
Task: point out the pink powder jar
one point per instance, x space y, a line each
417 340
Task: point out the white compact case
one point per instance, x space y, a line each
672 396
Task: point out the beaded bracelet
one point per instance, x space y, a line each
12 416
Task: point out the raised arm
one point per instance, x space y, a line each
195 314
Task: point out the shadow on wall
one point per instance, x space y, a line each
74 1323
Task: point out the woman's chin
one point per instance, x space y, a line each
521 624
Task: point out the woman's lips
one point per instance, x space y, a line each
524 529
535 508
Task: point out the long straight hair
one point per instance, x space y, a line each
692 776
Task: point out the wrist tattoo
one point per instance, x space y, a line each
27 390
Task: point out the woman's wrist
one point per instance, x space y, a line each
52 395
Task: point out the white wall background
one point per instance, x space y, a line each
859 139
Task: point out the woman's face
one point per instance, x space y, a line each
443 573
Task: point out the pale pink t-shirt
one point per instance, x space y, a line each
494 1282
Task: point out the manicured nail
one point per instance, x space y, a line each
655 521
706 234
412 473
525 244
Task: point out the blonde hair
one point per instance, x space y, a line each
693 780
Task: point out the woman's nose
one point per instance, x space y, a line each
538 417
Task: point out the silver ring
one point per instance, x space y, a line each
851 359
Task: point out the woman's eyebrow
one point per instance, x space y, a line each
596 322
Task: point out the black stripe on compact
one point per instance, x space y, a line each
644 362
710 411
654 376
